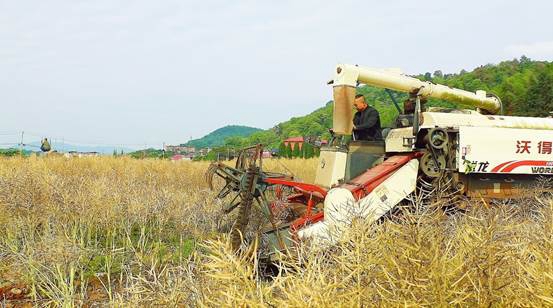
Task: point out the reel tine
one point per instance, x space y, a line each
208 177
210 174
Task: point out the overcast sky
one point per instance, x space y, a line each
135 72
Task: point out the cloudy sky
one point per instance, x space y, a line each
136 72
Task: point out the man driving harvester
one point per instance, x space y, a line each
366 121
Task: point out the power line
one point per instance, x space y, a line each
70 142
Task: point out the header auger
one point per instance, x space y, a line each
464 153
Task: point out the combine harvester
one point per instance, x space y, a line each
466 153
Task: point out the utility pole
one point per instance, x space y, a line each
21 144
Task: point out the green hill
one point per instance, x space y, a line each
525 87
217 137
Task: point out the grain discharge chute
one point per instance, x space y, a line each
465 153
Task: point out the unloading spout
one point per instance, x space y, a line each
348 76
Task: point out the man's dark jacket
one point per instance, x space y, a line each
367 124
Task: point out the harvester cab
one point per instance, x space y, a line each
464 153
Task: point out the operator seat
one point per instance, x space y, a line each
404 120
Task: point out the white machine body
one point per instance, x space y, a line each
505 150
341 208
331 168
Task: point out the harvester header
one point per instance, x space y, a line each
349 76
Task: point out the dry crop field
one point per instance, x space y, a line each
124 232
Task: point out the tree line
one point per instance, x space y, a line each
307 150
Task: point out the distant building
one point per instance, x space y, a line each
178 157
293 141
178 149
81 154
204 151
320 143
